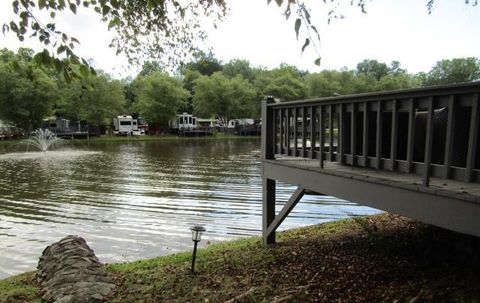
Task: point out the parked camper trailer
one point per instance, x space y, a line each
125 125
240 122
184 121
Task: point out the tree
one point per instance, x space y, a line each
95 100
150 67
204 63
26 93
373 68
397 81
159 97
455 70
225 98
285 83
239 67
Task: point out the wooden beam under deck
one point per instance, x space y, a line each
447 207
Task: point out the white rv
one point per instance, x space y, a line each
125 125
240 122
184 121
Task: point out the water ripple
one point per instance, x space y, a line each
137 200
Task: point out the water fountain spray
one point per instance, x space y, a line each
42 139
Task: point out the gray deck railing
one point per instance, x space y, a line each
428 131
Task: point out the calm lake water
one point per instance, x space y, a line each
138 200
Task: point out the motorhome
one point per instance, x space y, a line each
125 125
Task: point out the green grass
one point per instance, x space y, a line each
19 288
393 259
120 139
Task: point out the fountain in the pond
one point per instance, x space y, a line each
42 139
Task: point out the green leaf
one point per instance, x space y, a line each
307 42
73 8
13 26
279 2
61 49
52 15
42 4
316 31
317 61
105 10
84 71
5 28
298 23
16 8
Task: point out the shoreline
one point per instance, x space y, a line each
365 259
145 138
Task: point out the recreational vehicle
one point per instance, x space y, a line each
125 125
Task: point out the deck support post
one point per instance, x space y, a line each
268 210
268 185
275 221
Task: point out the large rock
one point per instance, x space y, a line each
69 271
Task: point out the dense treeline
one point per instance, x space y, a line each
205 86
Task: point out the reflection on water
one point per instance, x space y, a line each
137 200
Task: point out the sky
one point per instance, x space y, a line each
390 30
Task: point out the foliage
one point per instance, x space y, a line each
455 70
150 67
159 97
285 83
239 67
204 63
26 93
165 30
96 99
225 98
369 76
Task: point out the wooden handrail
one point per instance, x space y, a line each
432 131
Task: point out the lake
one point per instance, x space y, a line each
137 200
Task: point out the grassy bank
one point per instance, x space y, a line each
120 139
217 136
383 258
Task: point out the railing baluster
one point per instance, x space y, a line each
274 126
353 138
321 136
312 131
379 135
330 128
411 134
449 137
295 138
282 131
472 139
428 143
304 132
393 141
287 128
341 140
365 134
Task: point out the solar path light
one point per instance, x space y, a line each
197 232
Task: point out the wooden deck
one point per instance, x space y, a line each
411 152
